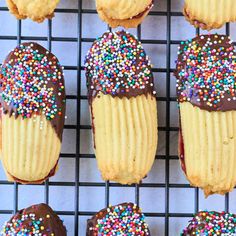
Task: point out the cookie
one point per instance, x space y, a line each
128 14
36 10
209 14
206 69
32 96
123 107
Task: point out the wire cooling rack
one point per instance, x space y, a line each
167 214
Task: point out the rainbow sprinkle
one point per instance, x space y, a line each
126 220
206 70
211 224
28 80
26 225
117 64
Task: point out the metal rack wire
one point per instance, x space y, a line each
78 127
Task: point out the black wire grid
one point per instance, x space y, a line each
78 127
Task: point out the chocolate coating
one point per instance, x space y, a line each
117 65
205 72
115 220
36 220
32 82
211 223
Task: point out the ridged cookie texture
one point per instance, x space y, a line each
211 223
206 69
209 148
33 104
123 219
30 150
124 131
123 107
128 14
37 10
35 220
210 14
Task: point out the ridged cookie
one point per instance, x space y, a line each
128 14
209 148
37 10
210 14
123 107
124 131
206 70
30 149
35 220
33 101
123 219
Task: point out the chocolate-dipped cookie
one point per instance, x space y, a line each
32 96
211 223
128 14
123 107
123 219
206 70
35 220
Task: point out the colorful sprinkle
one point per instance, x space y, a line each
211 224
17 226
124 219
37 220
117 64
206 70
28 79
